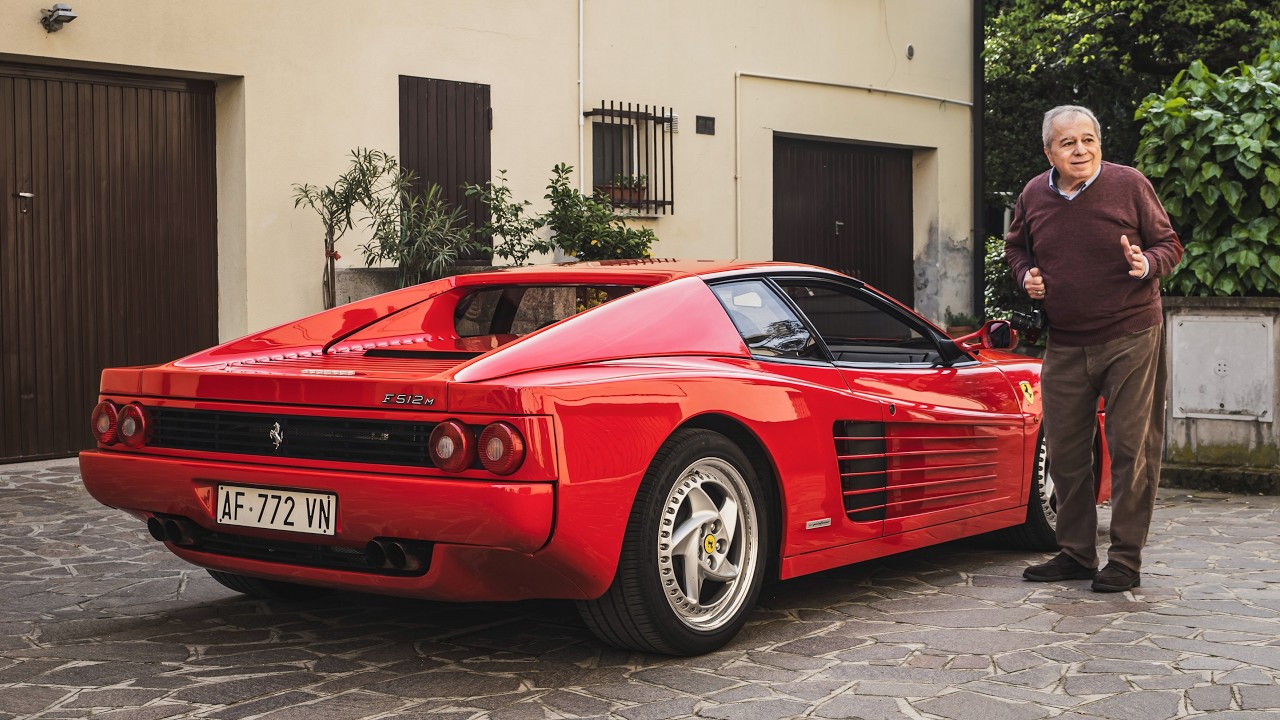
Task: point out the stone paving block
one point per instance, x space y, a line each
810 690
697 683
1166 682
1125 667
1038 678
447 684
578 704
1094 685
1139 705
678 707
1266 657
1018 693
233 691
1258 697
347 706
114 698
1247 676
898 689
854 707
1210 698
1015 661
151 712
968 706
741 693
759 710
30 699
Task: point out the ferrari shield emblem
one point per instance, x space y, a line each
1028 392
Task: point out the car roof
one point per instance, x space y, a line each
648 271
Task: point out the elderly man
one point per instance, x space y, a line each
1091 240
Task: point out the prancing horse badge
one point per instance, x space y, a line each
1028 392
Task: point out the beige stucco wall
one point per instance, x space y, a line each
301 82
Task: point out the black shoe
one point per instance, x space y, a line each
1061 567
1116 578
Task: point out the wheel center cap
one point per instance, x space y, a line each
709 544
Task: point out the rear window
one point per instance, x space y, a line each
521 309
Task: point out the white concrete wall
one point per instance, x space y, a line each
302 82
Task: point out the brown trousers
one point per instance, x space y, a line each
1131 377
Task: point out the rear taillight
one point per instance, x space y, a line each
134 426
103 421
501 448
453 446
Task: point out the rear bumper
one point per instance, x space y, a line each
483 536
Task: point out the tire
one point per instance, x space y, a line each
270 589
701 488
1039 531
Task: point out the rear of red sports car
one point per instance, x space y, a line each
578 432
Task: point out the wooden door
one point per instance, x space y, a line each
444 138
846 207
108 241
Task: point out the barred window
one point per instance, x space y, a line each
633 163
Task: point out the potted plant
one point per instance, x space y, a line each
626 189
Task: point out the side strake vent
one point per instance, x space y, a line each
298 436
860 450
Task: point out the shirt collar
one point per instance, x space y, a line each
1053 182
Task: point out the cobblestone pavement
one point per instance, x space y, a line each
98 620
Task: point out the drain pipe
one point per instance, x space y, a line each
582 124
979 180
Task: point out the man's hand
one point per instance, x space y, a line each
1138 265
1033 284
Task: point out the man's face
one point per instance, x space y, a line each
1074 150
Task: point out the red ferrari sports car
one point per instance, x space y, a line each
653 439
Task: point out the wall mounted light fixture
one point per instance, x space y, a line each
57 16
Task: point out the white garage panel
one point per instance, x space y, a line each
1222 368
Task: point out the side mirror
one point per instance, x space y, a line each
994 335
999 335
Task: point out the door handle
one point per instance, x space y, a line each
839 225
26 195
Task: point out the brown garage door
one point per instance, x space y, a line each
847 207
108 242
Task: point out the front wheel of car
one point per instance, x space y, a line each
694 554
1039 530
271 589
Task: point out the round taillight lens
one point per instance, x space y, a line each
103 421
452 446
134 426
501 448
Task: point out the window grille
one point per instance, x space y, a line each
633 163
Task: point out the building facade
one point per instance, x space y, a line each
149 150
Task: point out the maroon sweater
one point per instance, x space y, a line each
1089 295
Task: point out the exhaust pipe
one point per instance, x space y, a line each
399 555
179 531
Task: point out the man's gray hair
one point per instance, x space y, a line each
1052 116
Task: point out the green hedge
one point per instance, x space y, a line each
1211 146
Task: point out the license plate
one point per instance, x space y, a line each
302 512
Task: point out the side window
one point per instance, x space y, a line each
858 329
768 326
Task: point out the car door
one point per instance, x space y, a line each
831 500
951 426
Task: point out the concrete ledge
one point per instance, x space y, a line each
1221 478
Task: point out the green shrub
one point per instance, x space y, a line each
516 236
1211 146
583 226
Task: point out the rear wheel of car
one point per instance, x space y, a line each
1038 531
694 554
272 589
